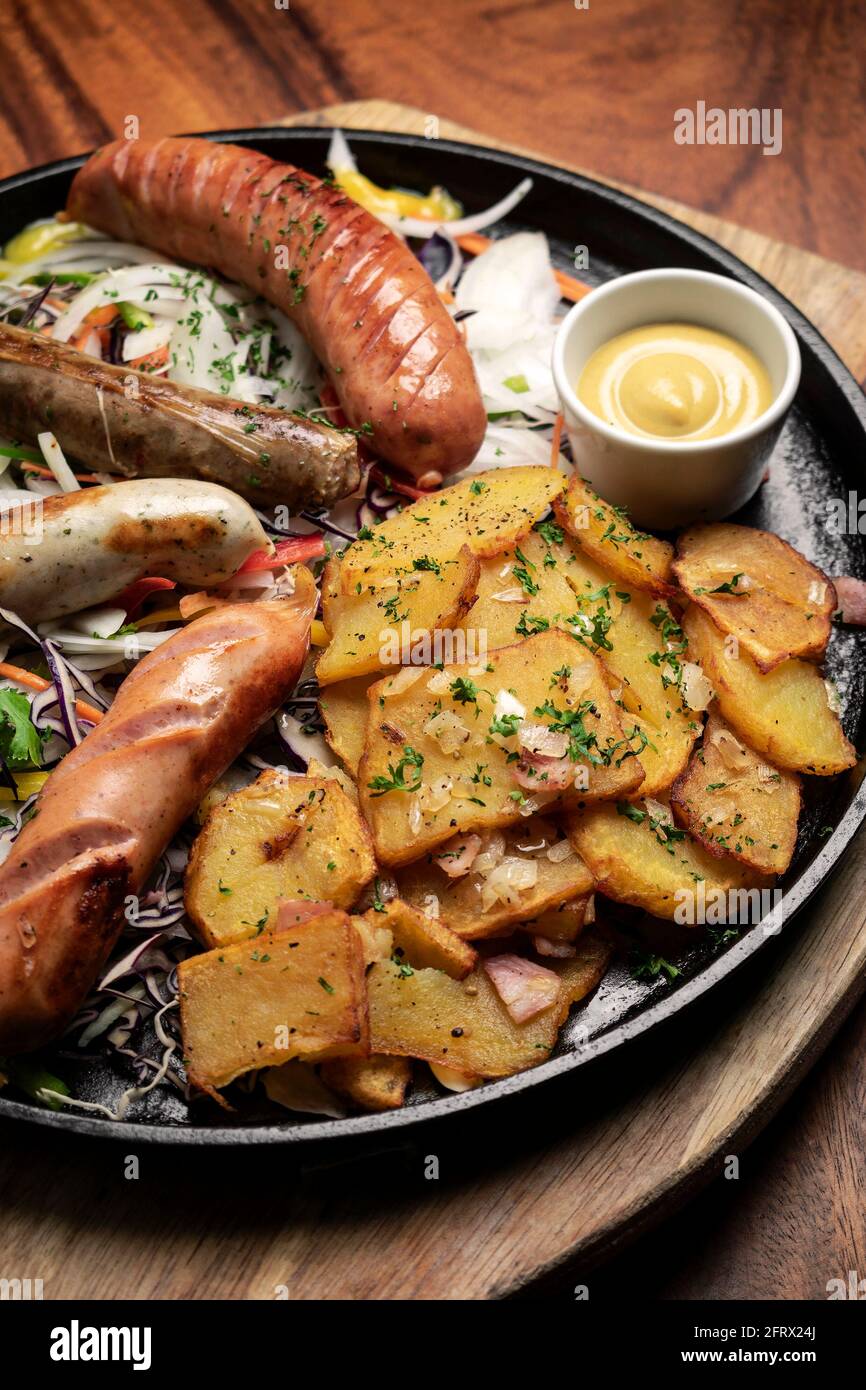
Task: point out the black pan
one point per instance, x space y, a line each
819 457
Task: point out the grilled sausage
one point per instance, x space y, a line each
365 304
80 550
115 801
120 421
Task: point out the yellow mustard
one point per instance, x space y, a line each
675 381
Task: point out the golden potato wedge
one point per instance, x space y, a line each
281 837
259 1003
480 904
521 591
370 1083
757 587
643 647
487 512
785 714
733 802
606 535
344 710
639 858
383 626
465 1025
442 746
422 941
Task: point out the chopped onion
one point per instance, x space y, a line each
697 691
55 458
459 226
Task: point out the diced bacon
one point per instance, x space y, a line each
526 989
537 773
851 594
292 912
458 855
545 947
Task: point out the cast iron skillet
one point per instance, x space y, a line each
818 458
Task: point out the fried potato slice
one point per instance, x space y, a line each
344 709
564 923
638 858
465 1025
284 994
522 591
517 879
281 837
443 747
371 631
733 802
606 535
487 512
370 1083
643 648
785 714
423 942
757 587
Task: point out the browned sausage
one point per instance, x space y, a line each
116 800
367 307
120 421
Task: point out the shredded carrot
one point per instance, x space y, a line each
150 361
392 484
556 440
41 472
101 316
570 288
34 682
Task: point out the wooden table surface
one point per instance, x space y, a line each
596 87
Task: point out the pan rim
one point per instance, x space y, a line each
669 1005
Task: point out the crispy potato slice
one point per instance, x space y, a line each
370 630
371 1083
735 803
465 1025
423 942
417 789
784 713
563 923
281 837
606 535
756 586
634 865
522 591
487 512
643 648
261 1002
344 709
480 904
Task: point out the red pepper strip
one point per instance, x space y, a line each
391 484
134 595
288 552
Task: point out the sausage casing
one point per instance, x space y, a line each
116 420
366 305
80 550
114 803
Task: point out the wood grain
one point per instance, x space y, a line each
598 87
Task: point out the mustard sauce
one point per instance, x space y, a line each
675 381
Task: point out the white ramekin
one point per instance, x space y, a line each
667 483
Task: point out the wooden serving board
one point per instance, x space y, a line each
623 1155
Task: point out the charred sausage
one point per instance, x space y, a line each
116 800
80 550
116 420
365 304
